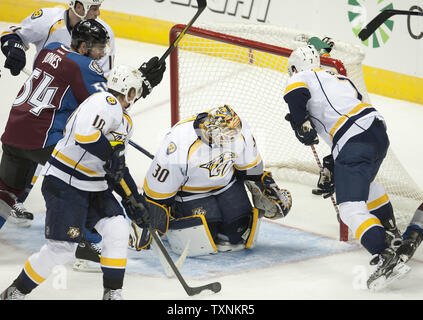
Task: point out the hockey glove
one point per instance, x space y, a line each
15 56
152 73
326 185
115 166
304 131
329 42
267 197
136 212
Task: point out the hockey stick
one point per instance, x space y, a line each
315 191
169 273
191 291
139 148
381 18
201 6
168 270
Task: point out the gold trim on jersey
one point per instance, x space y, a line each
341 120
201 189
88 139
194 147
113 263
366 225
185 120
32 274
59 24
129 120
154 194
372 205
248 166
73 163
294 86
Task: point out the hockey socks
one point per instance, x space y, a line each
2 221
113 272
373 239
28 279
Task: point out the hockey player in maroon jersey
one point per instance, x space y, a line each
61 79
42 27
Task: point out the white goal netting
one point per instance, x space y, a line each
244 66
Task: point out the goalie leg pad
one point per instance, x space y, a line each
192 229
251 237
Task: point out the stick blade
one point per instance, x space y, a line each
214 286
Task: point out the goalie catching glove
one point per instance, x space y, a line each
267 196
326 185
304 131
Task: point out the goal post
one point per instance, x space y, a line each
245 66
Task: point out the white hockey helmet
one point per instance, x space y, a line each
86 4
123 78
303 58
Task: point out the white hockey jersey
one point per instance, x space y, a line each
49 25
187 166
335 108
99 113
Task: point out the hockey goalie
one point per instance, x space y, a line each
199 174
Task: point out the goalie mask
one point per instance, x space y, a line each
122 79
303 58
219 126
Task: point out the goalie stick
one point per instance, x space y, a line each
191 291
377 21
168 271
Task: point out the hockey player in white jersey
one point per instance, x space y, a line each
49 25
327 105
199 172
88 159
45 26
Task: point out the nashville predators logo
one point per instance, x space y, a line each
37 14
111 100
199 211
73 232
171 148
220 165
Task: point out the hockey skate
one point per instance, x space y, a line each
393 238
12 293
409 245
223 244
389 267
110 294
20 216
87 256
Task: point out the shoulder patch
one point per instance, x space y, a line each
37 14
95 67
171 148
111 100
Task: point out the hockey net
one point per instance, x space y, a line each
245 66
